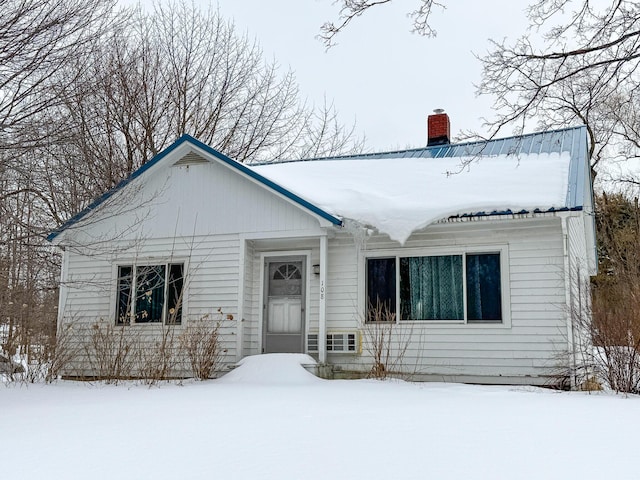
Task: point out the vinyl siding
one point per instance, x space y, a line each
580 289
528 350
182 201
197 214
208 215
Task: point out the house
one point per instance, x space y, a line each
480 253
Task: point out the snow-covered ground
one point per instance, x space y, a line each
270 419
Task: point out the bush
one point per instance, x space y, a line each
385 342
200 342
110 351
157 357
610 324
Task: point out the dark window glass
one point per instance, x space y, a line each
150 293
158 293
431 288
174 293
125 276
381 287
483 287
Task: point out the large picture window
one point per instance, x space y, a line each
464 287
150 294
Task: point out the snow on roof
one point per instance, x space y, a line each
403 191
400 195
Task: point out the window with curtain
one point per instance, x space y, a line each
431 288
150 293
435 287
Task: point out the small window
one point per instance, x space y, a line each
125 282
175 291
287 271
150 294
484 295
381 288
285 279
150 289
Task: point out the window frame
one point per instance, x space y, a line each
135 264
502 249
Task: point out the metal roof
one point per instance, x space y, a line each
572 140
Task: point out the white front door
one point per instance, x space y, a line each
284 308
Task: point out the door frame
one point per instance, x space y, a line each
305 256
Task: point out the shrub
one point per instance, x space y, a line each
110 351
200 342
385 342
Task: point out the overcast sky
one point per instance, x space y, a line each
380 75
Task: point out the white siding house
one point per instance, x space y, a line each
475 295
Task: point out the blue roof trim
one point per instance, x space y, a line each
220 156
109 193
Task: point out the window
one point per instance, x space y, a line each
150 294
484 296
381 283
463 287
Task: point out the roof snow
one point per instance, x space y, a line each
398 196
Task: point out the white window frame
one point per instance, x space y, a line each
113 310
505 290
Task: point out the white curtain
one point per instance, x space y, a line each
432 288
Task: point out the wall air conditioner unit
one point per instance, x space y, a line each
337 342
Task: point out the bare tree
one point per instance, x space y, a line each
352 9
90 92
615 328
585 70
577 63
36 38
177 70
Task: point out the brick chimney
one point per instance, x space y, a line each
438 128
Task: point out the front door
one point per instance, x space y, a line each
284 307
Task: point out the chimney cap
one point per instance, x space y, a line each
438 110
